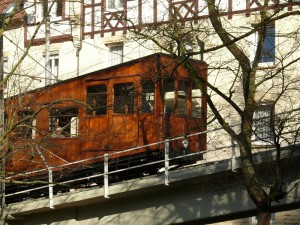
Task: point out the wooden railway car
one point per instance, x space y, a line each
125 106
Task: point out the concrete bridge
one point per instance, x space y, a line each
201 193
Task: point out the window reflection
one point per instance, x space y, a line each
196 101
183 87
148 96
96 100
123 98
169 97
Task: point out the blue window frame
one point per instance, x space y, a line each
268 50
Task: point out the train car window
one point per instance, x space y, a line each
123 98
63 122
26 128
196 101
96 100
148 88
169 96
183 96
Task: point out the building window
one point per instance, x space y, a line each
268 50
63 122
115 55
42 7
96 100
123 98
57 9
148 88
52 76
26 128
114 4
262 124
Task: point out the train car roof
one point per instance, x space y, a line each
156 56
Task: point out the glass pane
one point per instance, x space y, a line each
61 121
148 96
27 125
262 122
123 98
96 100
74 127
169 97
59 7
196 101
183 87
116 55
268 51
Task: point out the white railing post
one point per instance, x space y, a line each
233 156
106 176
167 147
51 203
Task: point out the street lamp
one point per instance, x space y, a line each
185 143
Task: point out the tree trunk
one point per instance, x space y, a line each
263 216
254 188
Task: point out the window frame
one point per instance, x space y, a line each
183 98
268 45
54 68
176 96
148 96
94 112
40 11
66 122
196 111
170 101
253 40
122 99
115 58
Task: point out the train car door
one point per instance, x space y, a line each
123 125
96 119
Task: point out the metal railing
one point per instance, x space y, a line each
49 170
105 174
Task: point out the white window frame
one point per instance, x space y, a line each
54 68
116 54
74 127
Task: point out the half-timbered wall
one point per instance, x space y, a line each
100 17
135 14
